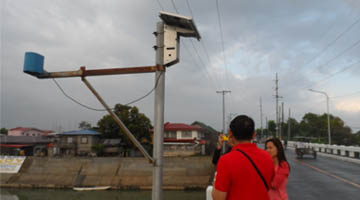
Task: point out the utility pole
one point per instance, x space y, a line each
277 106
261 118
157 181
289 126
282 120
267 127
223 92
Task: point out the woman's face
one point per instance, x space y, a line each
271 148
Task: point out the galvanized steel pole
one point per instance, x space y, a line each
328 113
157 193
223 92
328 118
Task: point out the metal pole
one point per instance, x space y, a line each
328 113
289 126
277 105
267 127
223 92
223 101
157 182
261 118
282 120
328 117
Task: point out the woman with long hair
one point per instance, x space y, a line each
282 170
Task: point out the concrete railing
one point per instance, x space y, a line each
340 150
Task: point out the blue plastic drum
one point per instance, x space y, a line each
34 63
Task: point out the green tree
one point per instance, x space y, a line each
84 125
211 136
294 128
138 124
272 127
313 125
3 131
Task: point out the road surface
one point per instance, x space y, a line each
322 179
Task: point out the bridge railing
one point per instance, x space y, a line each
340 150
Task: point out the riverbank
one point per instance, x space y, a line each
180 173
46 194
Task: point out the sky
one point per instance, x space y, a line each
309 44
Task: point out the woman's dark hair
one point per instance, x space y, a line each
281 153
242 127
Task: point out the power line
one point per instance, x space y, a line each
331 43
222 38
74 100
334 74
96 109
195 50
188 5
334 58
160 5
201 41
336 39
173 3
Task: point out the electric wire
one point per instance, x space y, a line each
160 5
329 45
336 39
96 109
222 39
173 3
334 74
207 74
74 100
334 58
201 42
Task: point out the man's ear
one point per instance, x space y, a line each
254 135
230 133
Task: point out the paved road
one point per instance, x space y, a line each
322 179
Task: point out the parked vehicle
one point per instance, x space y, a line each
302 149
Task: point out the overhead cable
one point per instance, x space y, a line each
96 109
222 39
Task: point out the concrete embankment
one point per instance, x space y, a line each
120 173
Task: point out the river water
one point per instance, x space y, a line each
40 194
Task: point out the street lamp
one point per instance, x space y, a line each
328 115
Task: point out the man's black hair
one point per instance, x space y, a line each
242 127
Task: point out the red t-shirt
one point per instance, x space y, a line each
237 176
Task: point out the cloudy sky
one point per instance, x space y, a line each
310 44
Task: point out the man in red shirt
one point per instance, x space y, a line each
246 172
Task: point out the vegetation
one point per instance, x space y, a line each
84 125
3 131
211 135
98 149
316 126
138 124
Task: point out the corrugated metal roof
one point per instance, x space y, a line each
179 126
23 139
81 132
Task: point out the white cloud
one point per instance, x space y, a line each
349 105
260 38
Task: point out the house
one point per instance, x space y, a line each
183 140
79 142
23 131
25 145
